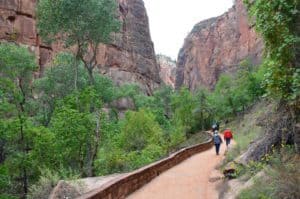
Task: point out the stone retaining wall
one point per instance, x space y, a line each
122 187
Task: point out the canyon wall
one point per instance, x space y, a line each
130 58
215 46
167 70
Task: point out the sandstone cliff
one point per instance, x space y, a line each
215 46
129 58
167 70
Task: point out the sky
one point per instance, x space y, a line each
172 20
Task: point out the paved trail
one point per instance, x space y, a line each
195 178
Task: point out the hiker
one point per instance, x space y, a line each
215 127
218 141
227 136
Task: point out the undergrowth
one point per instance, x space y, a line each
281 177
246 130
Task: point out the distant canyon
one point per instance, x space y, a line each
213 46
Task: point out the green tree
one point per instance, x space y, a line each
203 113
56 92
57 83
73 133
83 24
137 142
17 65
183 104
221 100
139 130
278 23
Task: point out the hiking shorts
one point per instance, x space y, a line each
227 141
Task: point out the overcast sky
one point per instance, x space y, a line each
171 20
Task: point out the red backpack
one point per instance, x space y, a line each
228 134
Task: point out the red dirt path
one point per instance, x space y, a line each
195 178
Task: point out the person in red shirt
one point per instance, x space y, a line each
227 136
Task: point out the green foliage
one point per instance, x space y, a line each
17 131
149 154
176 136
48 180
92 20
73 133
138 142
260 191
110 160
58 80
81 24
140 130
203 112
105 88
66 127
281 176
7 196
277 23
16 69
5 181
183 105
57 83
16 62
234 93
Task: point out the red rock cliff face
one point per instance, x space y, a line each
167 70
129 58
215 46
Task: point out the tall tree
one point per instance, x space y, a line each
80 23
17 65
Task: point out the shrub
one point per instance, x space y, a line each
139 130
282 177
151 153
48 180
42 189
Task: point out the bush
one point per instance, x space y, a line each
151 153
139 130
139 142
42 189
111 160
176 136
282 177
48 180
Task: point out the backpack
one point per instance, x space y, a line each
217 139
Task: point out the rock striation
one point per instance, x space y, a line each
215 46
130 58
167 70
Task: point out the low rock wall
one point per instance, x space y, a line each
122 187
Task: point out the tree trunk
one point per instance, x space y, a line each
77 61
25 182
2 150
297 138
24 151
91 75
88 168
23 145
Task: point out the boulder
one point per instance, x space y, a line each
64 190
